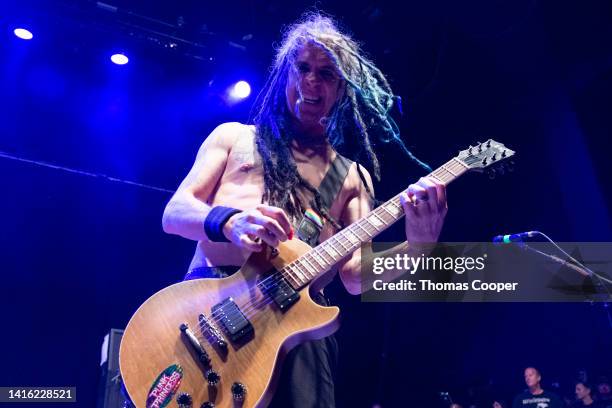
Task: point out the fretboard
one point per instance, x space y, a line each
327 254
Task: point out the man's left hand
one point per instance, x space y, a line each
425 207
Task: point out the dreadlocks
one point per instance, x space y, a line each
363 110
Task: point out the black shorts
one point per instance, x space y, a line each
307 375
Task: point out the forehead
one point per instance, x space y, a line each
313 54
530 371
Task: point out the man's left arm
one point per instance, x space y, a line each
425 207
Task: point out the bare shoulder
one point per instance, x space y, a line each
226 135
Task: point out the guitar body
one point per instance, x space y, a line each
152 341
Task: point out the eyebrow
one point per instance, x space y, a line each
327 66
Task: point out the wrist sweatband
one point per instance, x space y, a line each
215 220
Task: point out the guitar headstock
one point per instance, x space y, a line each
486 156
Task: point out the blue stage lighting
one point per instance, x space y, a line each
23 33
119 59
240 90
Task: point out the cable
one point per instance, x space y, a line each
83 173
574 259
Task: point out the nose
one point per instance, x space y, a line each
311 78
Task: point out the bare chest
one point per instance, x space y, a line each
242 184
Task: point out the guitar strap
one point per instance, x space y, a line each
311 224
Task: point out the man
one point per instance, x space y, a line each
583 396
535 396
251 186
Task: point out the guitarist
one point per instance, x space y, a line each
260 184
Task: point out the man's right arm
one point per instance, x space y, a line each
185 213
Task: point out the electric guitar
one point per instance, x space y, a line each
220 342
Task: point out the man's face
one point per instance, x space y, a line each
532 378
581 391
313 87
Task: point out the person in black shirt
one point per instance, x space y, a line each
535 396
583 396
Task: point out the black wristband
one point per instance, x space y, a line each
215 220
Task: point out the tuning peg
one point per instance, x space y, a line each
484 161
494 157
504 153
470 150
488 143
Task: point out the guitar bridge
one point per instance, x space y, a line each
211 333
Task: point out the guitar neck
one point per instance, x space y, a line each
327 254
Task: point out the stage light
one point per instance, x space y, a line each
119 59
23 33
240 90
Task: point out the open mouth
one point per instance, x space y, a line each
312 101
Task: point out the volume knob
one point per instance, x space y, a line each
184 400
238 391
212 377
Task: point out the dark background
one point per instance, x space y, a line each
80 252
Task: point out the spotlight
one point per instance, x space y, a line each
240 90
23 33
119 59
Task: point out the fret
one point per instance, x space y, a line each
397 208
364 230
440 179
442 174
461 164
289 276
337 237
352 237
385 208
375 220
385 215
317 259
443 167
298 272
330 250
308 266
321 255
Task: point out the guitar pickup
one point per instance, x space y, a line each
233 322
282 293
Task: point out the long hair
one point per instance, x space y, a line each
362 111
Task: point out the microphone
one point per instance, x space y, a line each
507 239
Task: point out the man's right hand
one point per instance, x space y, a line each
263 224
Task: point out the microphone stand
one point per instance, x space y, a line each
576 266
584 271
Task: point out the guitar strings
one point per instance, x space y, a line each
252 307
250 310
